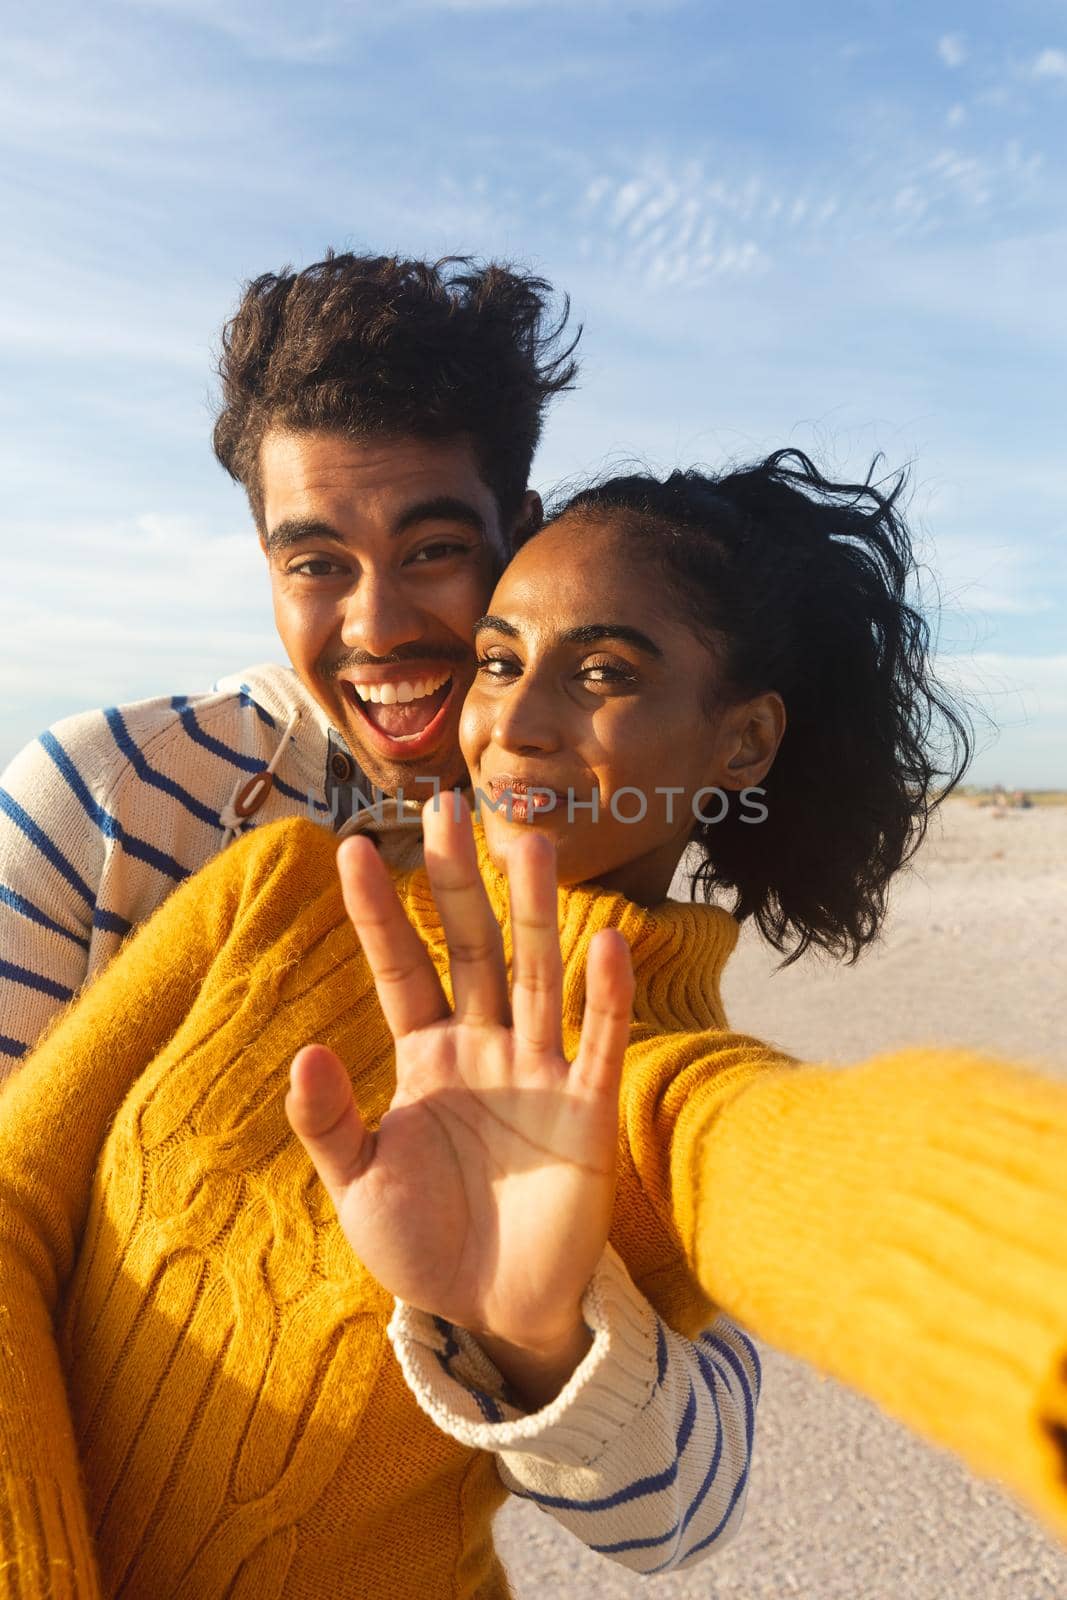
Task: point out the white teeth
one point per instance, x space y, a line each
389 694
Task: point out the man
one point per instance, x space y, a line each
382 416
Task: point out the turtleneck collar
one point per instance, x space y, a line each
678 949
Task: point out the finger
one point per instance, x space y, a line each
536 962
408 987
475 947
609 995
322 1113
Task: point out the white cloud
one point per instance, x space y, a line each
956 116
117 611
672 227
1012 688
1021 706
952 49
1051 64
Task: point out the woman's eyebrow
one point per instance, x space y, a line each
497 624
593 632
587 633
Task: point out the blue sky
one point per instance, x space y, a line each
845 232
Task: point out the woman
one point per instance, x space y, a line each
207 1264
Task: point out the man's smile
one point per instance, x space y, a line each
401 710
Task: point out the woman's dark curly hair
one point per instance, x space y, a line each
801 585
369 346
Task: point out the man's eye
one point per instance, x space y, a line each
439 550
313 567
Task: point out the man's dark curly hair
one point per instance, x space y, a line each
374 346
801 585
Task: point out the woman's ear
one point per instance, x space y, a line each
753 732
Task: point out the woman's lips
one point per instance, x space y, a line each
519 800
403 745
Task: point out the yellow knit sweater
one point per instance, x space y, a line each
196 1392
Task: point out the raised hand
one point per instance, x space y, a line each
486 1194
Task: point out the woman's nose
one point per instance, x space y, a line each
528 718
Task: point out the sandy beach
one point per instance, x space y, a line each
844 1504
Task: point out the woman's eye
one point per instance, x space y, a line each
605 672
496 666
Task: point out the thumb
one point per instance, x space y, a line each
322 1113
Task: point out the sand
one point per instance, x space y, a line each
845 1504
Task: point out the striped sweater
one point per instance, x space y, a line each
100 820
108 811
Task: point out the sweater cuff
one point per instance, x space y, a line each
461 1390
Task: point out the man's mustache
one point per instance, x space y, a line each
396 658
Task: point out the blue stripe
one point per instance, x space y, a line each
737 1492
486 1404
757 1369
247 700
223 751
110 922
157 780
243 763
12 1047
742 1378
661 1353
698 1499
633 1491
34 980
178 700
709 1538
26 825
110 826
445 1330
489 1408
33 913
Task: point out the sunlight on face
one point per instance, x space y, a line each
382 554
590 686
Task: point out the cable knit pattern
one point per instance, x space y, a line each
234 1407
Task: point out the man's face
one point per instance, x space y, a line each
382 554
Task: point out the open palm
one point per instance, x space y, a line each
486 1194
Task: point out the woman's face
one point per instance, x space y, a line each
589 685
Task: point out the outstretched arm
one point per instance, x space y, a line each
902 1225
